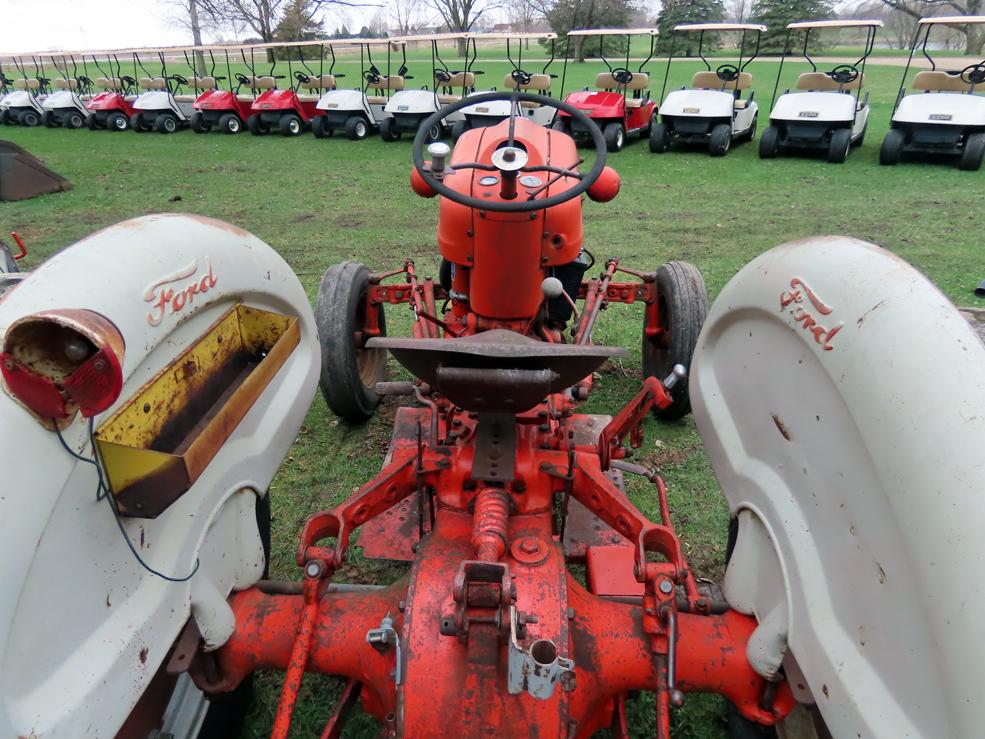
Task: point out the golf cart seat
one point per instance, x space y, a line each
711 81
202 83
820 82
394 83
185 98
244 98
61 83
459 79
605 81
448 99
109 83
939 81
538 83
263 83
855 469
31 84
325 82
152 83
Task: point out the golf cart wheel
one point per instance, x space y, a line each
92 122
659 138
48 119
4 117
891 150
75 120
257 126
230 123
615 136
458 129
752 129
30 119
137 123
682 303
319 129
290 124
974 149
861 139
349 372
198 123
388 129
720 140
562 124
356 128
434 134
841 142
166 123
769 143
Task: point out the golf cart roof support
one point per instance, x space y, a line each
700 29
690 27
952 20
803 25
601 32
614 32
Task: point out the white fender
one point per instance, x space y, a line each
62 100
698 104
841 399
345 100
814 107
941 108
83 628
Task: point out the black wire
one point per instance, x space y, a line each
102 491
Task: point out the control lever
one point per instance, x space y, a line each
438 151
676 375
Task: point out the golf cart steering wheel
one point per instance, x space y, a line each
621 75
302 77
520 77
371 77
441 75
242 78
514 164
727 73
844 74
973 74
179 79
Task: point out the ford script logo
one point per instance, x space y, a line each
809 114
940 116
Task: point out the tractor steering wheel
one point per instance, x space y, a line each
973 74
621 75
843 74
302 77
513 206
727 73
520 77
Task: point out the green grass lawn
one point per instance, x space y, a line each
321 201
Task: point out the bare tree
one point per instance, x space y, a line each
522 15
974 33
184 14
738 10
458 16
407 16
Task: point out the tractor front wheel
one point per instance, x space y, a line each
388 129
659 138
769 143
319 127
720 140
4 117
30 119
349 371
974 150
562 124
92 122
682 304
841 142
356 128
75 120
433 134
257 126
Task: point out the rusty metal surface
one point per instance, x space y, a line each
495 448
23 175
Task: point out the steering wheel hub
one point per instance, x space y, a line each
509 159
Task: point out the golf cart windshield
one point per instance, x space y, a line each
966 80
844 78
617 78
732 76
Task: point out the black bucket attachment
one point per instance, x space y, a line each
23 175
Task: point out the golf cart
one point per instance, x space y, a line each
360 110
947 114
290 109
611 106
161 106
66 105
215 107
23 106
112 106
407 109
826 112
712 112
518 79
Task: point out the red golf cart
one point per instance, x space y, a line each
294 107
620 105
112 106
224 109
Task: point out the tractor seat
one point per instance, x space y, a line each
459 79
820 82
263 83
108 83
710 81
31 84
496 371
60 83
605 81
308 98
741 104
325 82
928 81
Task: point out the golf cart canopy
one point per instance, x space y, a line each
506 36
689 27
834 24
434 37
614 32
953 20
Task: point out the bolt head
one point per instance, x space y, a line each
666 587
313 569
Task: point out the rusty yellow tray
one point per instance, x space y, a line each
157 445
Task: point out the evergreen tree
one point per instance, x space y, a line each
298 23
776 14
675 12
565 15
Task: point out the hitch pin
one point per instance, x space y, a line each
675 696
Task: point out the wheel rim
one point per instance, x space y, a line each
294 126
169 125
361 129
120 123
233 125
435 133
620 136
368 361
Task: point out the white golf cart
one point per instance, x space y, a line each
947 113
161 106
356 111
407 109
712 111
65 106
491 113
23 106
826 111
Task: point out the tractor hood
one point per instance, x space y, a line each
942 108
698 104
83 627
814 107
856 470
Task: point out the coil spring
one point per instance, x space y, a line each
489 522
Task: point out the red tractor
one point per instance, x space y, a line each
494 484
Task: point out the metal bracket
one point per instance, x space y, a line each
539 669
382 638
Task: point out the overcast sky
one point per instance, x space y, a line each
70 25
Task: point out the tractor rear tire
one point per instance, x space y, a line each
891 150
841 142
720 140
230 123
769 143
74 120
659 138
683 306
388 129
356 128
974 150
198 123
48 119
166 123
615 136
291 125
348 373
458 129
257 126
